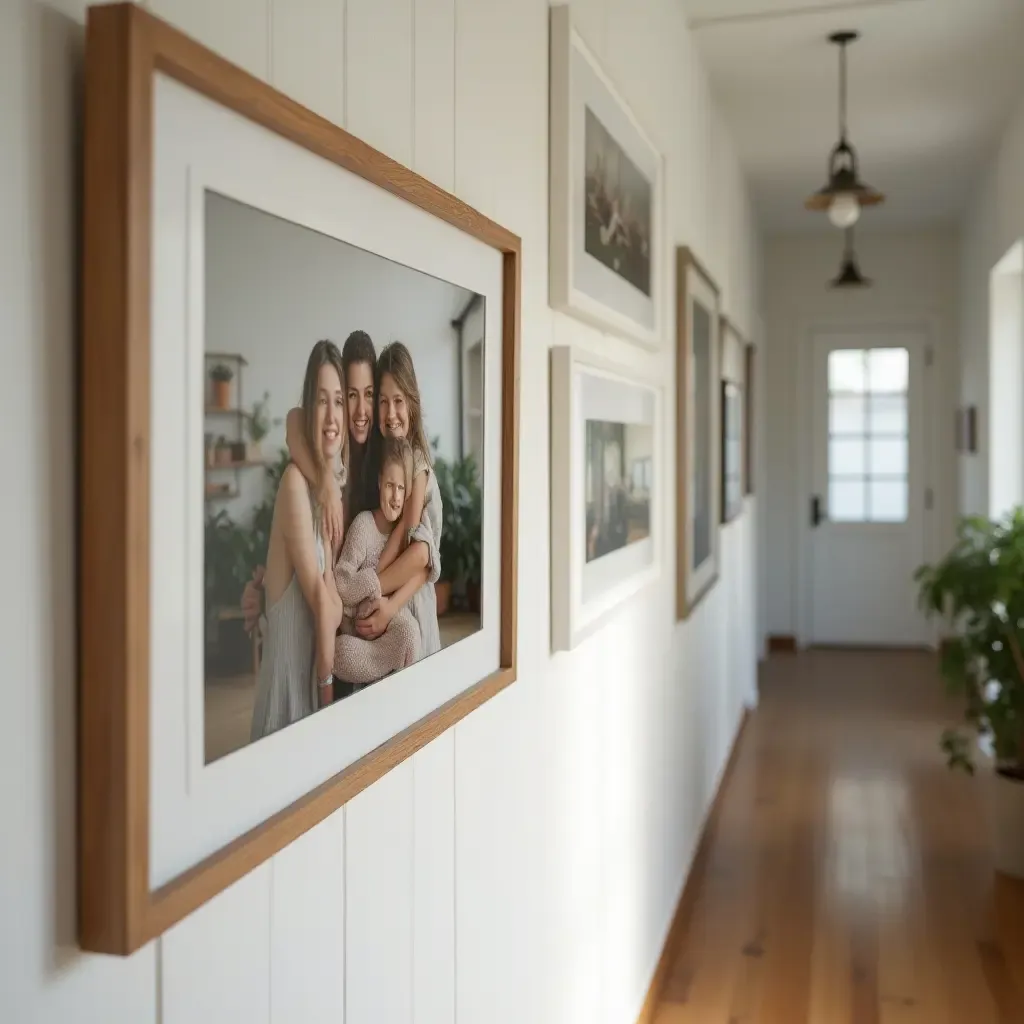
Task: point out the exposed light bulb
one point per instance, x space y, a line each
844 210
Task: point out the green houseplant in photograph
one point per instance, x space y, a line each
260 424
461 522
221 376
978 588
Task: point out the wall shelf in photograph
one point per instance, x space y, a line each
605 491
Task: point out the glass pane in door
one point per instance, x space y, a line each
868 435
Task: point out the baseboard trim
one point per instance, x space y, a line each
691 887
778 642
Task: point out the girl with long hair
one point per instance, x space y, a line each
410 562
304 609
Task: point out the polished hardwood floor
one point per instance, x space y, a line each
846 876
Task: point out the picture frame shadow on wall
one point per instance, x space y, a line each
606 198
698 463
220 216
732 420
750 385
606 491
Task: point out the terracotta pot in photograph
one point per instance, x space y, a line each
221 394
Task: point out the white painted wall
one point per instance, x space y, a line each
1006 384
915 279
993 223
524 866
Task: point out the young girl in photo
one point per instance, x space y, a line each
359 661
400 415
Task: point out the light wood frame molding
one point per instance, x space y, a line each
687 260
125 48
749 408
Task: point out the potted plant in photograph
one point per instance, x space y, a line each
220 380
979 588
260 425
462 517
222 452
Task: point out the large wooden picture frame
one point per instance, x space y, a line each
606 490
132 60
606 248
698 462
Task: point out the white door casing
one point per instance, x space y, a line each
866 464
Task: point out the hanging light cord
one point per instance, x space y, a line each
842 92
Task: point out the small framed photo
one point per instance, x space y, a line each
299 422
733 427
605 491
606 260
698 432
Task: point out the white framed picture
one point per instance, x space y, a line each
605 490
606 198
698 431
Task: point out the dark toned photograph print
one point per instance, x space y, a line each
702 427
618 205
343 472
619 477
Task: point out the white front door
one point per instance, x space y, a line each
868 505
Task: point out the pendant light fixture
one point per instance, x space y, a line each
845 193
849 275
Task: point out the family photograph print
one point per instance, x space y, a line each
343 507
619 467
618 197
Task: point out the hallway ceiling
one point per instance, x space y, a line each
932 84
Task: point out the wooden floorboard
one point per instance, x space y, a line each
848 876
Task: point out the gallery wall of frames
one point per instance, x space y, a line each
337 345
383 476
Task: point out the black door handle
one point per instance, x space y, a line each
816 514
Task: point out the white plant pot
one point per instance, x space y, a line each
1008 825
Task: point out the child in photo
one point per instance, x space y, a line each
359 661
400 415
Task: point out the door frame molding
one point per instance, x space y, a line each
933 390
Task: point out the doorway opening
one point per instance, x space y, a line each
1006 383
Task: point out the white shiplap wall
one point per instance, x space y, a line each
523 867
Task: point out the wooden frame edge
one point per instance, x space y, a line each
126 47
683 913
749 361
685 260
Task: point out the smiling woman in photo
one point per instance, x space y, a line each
303 606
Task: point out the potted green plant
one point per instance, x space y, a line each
978 588
260 425
220 378
461 522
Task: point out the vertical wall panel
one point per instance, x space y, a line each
434 882
434 97
216 963
236 29
307 53
379 901
307 928
378 75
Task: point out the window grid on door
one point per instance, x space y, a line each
868 435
